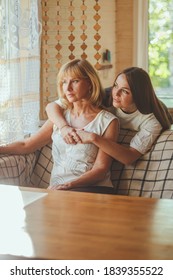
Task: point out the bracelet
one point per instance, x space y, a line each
64 126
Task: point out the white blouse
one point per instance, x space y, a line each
71 161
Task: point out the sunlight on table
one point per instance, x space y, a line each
162 223
13 238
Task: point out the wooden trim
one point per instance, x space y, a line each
124 34
105 66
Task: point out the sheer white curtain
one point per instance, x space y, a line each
140 54
20 30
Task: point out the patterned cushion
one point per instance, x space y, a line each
42 171
16 169
151 175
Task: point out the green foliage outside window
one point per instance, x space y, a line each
161 42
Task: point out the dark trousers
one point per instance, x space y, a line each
94 189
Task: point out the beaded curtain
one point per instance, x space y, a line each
70 29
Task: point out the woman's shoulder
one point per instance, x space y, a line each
108 114
147 122
150 120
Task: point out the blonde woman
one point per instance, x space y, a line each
80 166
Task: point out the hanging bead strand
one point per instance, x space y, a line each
58 37
83 28
71 28
97 36
45 47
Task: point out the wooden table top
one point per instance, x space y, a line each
83 226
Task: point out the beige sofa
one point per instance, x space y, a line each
150 176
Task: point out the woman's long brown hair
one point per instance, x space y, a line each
144 95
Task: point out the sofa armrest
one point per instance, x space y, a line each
16 169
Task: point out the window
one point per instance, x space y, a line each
19 68
160 48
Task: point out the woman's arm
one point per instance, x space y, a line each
125 155
101 166
56 116
31 144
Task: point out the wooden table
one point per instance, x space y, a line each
74 225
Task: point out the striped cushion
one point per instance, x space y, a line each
42 171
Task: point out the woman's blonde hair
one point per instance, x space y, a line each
81 69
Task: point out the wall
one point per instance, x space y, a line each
64 22
124 34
